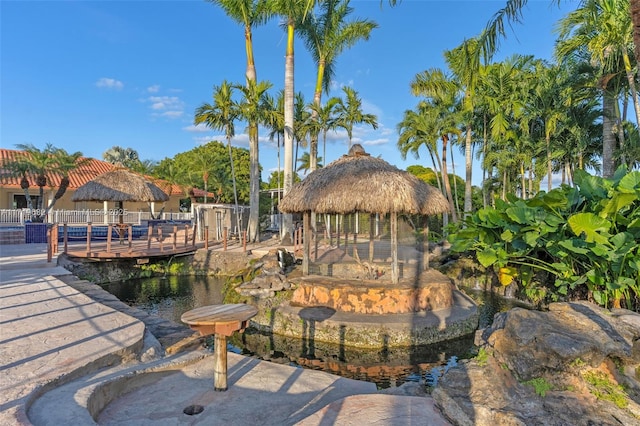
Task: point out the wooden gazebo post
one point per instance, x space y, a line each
306 241
394 247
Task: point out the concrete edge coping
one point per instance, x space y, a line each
84 398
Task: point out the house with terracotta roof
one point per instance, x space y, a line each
12 195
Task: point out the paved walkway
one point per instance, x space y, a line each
67 359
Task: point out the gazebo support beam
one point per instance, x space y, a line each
306 241
394 248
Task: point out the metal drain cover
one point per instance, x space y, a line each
192 410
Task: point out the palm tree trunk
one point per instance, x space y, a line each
445 179
254 185
632 85
634 6
233 179
523 181
608 135
317 99
468 163
549 168
287 223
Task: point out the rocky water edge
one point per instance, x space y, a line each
573 364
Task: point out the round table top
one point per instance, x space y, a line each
219 314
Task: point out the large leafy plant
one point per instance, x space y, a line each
579 240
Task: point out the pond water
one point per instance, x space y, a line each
169 297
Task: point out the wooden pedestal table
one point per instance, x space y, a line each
221 321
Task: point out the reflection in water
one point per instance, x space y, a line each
170 297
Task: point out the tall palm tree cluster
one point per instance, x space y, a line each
529 119
327 32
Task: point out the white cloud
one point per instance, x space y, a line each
153 89
200 128
374 142
109 83
166 106
172 114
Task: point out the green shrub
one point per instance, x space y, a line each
540 385
581 241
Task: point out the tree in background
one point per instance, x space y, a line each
350 112
221 116
43 164
254 109
250 13
327 34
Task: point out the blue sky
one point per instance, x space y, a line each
85 76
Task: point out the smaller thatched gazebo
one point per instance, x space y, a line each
359 183
120 185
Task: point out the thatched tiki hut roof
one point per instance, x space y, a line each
119 185
358 182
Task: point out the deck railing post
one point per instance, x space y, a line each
149 232
88 238
224 239
175 237
193 237
244 241
130 231
65 234
49 245
160 237
109 231
186 234
206 237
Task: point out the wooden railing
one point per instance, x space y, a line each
82 217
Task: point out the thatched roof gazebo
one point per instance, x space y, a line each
120 185
359 183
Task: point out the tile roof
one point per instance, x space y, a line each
78 177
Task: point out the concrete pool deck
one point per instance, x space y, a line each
67 359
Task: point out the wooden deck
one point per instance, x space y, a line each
160 241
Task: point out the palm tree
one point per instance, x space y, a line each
301 119
254 108
123 157
324 119
250 13
65 164
19 168
418 128
548 105
221 116
326 36
605 28
600 27
305 163
442 93
466 69
293 12
350 112
41 163
275 122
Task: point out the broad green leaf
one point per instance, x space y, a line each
630 183
595 277
522 215
574 245
590 225
507 236
553 200
624 241
591 186
617 203
487 257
